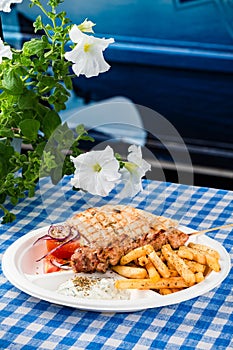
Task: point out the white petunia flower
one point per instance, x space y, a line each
87 55
86 26
96 171
5 51
5 5
133 171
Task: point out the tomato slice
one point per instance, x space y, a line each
65 252
49 266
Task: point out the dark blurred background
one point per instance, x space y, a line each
174 57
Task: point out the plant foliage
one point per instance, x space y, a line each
35 85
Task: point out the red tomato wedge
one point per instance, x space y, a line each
49 266
65 252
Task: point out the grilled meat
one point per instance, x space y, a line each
109 232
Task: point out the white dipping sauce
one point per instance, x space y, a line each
91 287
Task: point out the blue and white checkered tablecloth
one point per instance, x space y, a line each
204 323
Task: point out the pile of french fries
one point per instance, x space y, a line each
168 270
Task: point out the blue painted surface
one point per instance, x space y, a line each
178 33
200 21
174 56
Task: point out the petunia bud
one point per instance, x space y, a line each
86 26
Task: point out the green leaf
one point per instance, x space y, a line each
31 191
68 82
8 217
47 81
41 110
50 122
33 47
4 96
26 114
48 163
59 106
6 153
6 150
14 200
56 174
25 61
55 3
3 169
27 100
12 82
30 128
2 198
80 129
4 132
38 24
87 138
40 148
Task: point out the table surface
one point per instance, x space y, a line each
205 322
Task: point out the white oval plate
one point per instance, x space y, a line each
21 269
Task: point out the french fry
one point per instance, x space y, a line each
204 248
174 290
136 253
185 253
200 256
130 271
159 264
142 261
169 265
199 277
205 259
152 272
165 291
179 265
195 266
167 271
192 254
212 262
159 253
173 273
171 282
207 271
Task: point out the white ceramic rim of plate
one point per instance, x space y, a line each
12 271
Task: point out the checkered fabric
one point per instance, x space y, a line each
204 323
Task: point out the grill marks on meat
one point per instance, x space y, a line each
113 231
88 259
176 238
105 225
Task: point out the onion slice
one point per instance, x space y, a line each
63 266
63 234
59 232
45 237
56 248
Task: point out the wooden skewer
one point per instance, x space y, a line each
209 230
